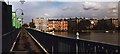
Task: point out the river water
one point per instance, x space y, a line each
104 37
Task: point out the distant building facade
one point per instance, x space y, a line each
115 22
57 25
40 23
107 24
112 21
72 24
119 13
119 10
76 24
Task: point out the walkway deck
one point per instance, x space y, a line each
26 44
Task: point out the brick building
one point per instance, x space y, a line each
57 24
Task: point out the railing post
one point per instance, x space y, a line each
52 46
52 49
95 49
77 34
53 33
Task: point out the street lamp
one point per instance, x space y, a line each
92 24
22 1
21 14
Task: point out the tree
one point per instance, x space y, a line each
101 25
118 28
84 24
105 25
25 25
32 25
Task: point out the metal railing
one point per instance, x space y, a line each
58 45
8 40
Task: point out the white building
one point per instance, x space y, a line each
41 23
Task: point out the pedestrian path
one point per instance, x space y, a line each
25 44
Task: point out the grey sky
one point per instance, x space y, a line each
67 9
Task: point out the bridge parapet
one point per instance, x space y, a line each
8 40
56 44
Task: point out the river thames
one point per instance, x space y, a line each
103 37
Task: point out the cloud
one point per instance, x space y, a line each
114 11
46 14
112 6
66 9
91 5
94 14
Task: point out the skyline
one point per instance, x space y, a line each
66 9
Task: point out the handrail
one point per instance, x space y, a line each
55 44
79 39
7 33
38 43
15 42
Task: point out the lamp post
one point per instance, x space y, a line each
15 18
22 1
92 24
21 14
